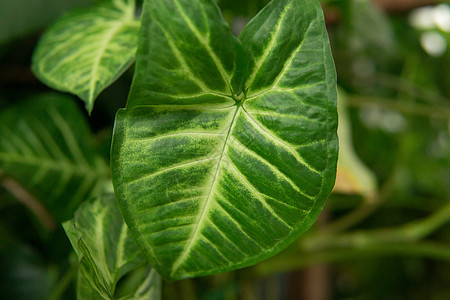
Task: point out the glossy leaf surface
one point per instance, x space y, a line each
211 177
86 50
105 250
47 146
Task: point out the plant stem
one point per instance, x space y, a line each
406 233
432 111
326 247
410 87
29 201
352 218
359 214
63 284
420 229
294 262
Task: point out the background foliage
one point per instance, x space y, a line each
384 233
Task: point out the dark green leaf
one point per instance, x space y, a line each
104 247
86 50
209 179
46 145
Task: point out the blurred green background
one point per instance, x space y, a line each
385 230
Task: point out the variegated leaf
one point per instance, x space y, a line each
212 175
86 50
47 146
105 250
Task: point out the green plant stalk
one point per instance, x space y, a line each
64 283
357 215
352 218
410 232
294 262
326 247
420 229
435 111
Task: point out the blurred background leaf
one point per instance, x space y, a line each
46 145
86 50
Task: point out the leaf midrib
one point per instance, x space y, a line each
105 43
208 200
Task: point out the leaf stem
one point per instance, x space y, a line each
29 201
432 111
325 247
64 283
368 208
410 232
294 262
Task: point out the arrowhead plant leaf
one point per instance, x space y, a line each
49 150
227 148
88 49
105 250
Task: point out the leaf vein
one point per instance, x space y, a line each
257 194
269 47
223 234
290 148
207 202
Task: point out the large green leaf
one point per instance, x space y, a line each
210 179
86 50
105 250
46 145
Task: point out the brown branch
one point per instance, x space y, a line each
29 201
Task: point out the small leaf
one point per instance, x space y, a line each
47 146
87 50
210 176
353 176
105 249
